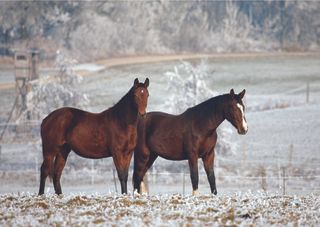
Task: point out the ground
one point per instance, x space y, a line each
161 210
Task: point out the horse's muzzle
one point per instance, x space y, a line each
143 115
243 131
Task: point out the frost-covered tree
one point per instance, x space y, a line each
51 92
188 87
188 84
112 28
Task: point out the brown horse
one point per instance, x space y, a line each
112 132
188 136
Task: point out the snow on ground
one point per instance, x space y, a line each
245 209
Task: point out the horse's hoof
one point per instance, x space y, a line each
195 193
136 193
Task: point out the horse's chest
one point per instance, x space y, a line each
206 146
132 137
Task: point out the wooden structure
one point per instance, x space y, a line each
25 70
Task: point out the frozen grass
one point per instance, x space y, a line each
247 209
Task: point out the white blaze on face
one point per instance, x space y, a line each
244 123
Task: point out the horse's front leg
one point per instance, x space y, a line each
193 166
142 162
122 162
208 162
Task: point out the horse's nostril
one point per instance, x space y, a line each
143 115
242 131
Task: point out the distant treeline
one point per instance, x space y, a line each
98 29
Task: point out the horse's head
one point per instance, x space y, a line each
141 94
234 112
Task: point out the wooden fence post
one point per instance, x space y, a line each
183 183
37 170
114 180
290 154
244 156
307 92
283 180
92 172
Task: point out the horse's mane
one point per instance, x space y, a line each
208 107
128 96
209 104
125 108
124 100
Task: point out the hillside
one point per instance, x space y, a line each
94 30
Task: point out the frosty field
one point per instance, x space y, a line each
159 210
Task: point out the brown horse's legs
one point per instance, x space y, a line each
193 166
59 164
122 163
45 171
140 169
140 161
208 162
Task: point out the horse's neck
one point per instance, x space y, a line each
212 115
125 110
217 115
216 120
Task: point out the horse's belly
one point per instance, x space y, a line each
92 152
88 145
169 148
175 157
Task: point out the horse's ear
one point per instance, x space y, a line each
232 93
146 82
241 94
136 82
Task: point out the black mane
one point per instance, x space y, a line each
208 106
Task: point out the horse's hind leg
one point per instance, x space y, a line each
59 164
46 168
141 166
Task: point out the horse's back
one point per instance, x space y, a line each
57 115
55 125
158 122
159 117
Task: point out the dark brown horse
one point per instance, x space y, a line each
188 136
112 132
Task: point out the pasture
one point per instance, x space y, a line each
271 176
159 210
